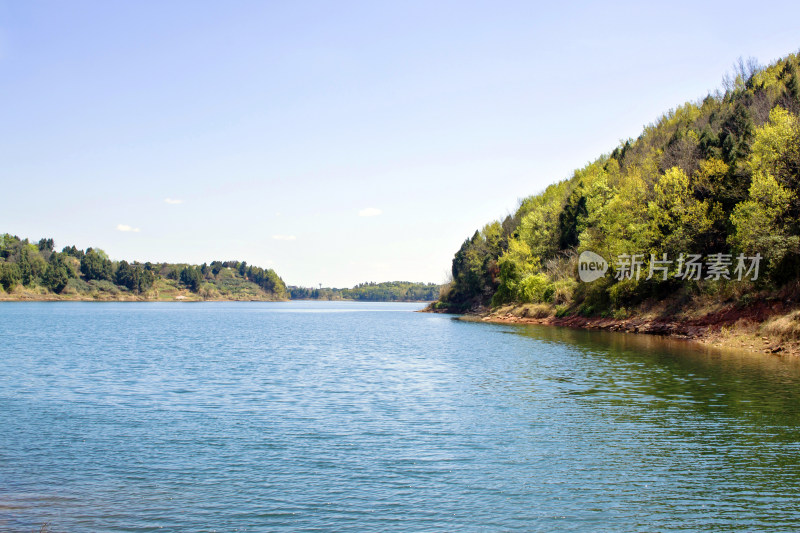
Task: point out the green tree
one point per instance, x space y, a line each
136 278
268 280
31 264
10 275
72 251
96 265
759 221
571 220
57 274
767 222
514 265
191 277
677 217
46 244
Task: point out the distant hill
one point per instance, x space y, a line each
38 271
389 291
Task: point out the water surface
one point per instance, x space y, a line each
329 416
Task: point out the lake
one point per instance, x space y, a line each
328 416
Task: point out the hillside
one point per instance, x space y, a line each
38 272
700 213
388 291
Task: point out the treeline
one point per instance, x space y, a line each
90 272
717 178
390 291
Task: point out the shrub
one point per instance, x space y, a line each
624 292
104 286
562 311
620 314
785 327
208 291
537 311
77 286
535 288
563 290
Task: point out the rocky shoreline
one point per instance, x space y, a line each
731 327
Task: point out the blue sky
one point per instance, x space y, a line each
336 142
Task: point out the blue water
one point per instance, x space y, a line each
317 416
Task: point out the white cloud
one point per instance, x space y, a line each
369 212
125 227
284 237
173 201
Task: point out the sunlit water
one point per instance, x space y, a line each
345 416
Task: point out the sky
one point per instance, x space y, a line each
336 142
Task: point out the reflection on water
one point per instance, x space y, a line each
670 372
330 416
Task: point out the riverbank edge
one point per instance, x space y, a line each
748 329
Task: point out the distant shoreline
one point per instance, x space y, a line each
186 299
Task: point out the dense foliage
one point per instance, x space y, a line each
717 176
90 273
390 291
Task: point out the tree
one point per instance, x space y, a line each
792 85
191 278
571 219
96 265
776 152
759 221
57 274
46 244
10 275
72 251
678 218
134 277
514 265
31 264
268 280
737 133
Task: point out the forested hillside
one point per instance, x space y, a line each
389 291
714 181
29 270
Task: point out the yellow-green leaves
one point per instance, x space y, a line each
535 288
676 216
772 140
624 220
761 220
758 220
708 180
538 227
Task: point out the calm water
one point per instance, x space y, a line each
332 416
